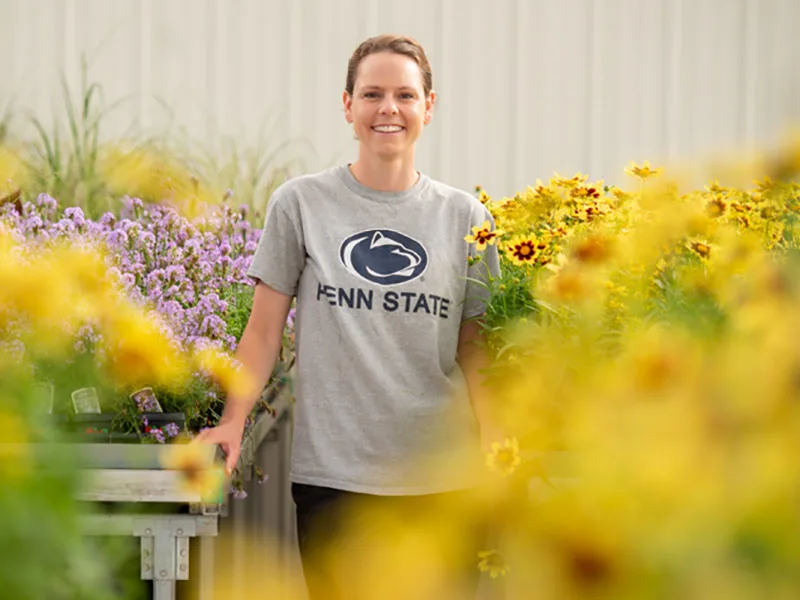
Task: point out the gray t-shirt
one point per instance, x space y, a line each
381 280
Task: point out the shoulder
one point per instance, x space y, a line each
460 201
299 185
291 193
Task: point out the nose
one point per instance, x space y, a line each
388 106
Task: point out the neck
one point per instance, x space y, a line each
385 175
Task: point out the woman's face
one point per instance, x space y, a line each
388 108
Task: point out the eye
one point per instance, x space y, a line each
408 95
370 94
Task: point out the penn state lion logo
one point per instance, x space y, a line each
383 256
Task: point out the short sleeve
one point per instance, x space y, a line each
480 272
280 255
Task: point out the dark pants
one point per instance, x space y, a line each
323 515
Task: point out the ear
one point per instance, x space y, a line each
347 101
429 103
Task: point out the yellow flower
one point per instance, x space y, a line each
12 172
587 191
642 172
492 561
764 186
484 197
593 249
14 456
716 207
523 251
569 183
504 458
620 195
702 249
482 235
140 351
222 368
199 473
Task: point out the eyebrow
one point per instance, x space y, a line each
377 87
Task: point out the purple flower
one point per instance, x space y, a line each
171 429
75 214
238 493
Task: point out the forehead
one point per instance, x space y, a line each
388 70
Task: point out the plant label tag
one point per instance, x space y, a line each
85 400
44 394
146 400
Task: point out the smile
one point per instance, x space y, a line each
388 128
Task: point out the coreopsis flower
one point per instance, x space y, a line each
492 562
504 458
716 207
568 182
200 474
482 235
701 248
621 195
715 188
586 191
593 249
523 251
642 171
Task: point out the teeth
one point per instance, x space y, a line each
388 128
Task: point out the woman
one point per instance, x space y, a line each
386 329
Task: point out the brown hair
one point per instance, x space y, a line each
398 44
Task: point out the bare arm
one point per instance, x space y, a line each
259 348
474 360
258 352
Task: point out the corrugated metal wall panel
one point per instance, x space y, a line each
526 87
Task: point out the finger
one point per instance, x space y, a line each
231 460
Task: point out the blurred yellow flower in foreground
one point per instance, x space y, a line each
12 172
14 457
642 171
492 562
226 372
155 175
504 458
200 474
140 352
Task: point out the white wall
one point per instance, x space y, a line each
526 87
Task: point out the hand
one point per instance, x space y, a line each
228 435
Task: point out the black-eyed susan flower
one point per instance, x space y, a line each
642 171
482 236
492 562
504 458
